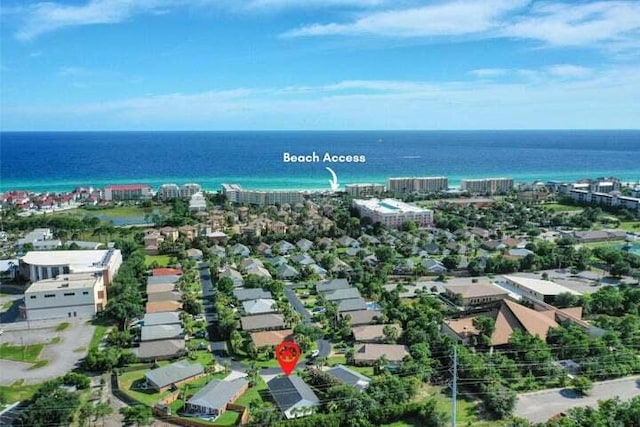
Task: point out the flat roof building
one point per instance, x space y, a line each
236 194
534 289
487 185
66 296
42 265
359 190
393 213
420 185
127 192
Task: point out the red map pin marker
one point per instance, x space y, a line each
287 354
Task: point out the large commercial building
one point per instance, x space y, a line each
172 191
487 185
66 296
359 190
392 213
236 194
127 192
421 185
37 265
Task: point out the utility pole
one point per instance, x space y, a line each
454 386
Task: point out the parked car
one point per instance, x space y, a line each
315 353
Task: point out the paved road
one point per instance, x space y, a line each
298 305
540 406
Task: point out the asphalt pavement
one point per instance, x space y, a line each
540 406
298 305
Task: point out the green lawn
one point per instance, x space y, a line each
98 334
337 360
27 353
18 391
162 260
119 211
559 207
62 326
7 305
228 418
630 225
252 393
128 383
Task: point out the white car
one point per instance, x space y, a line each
315 353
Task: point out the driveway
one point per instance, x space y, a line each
298 305
540 406
62 357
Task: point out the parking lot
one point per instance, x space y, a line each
61 356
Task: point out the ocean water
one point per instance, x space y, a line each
58 161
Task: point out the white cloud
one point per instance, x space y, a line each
295 4
489 72
568 70
452 18
569 24
604 99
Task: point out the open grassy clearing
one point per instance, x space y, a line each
18 391
98 334
62 326
162 260
21 353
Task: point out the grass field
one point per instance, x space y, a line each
98 334
630 225
128 383
119 211
62 326
253 393
27 353
228 418
162 260
18 391
559 207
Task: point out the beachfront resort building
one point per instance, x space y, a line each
487 185
65 296
393 213
361 190
236 194
421 185
172 191
614 199
42 265
117 193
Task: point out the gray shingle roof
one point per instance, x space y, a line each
287 391
349 377
154 280
167 318
342 294
217 393
161 349
160 332
333 285
173 373
249 294
262 321
352 304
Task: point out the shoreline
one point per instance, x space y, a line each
214 184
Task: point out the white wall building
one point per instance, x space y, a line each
236 194
487 186
393 213
47 265
66 296
421 185
534 289
363 189
197 203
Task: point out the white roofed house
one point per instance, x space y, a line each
260 306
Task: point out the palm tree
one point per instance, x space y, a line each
101 410
379 364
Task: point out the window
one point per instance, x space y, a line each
69 294
49 295
85 292
65 270
32 297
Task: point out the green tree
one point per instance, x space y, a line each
581 385
499 400
137 415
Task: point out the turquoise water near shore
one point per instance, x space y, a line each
59 161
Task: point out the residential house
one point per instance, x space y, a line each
293 396
287 272
271 338
367 354
173 375
195 254
304 244
433 266
362 317
259 306
262 322
164 296
349 377
166 272
161 332
373 333
240 250
167 318
285 247
251 294
342 294
332 285
352 304
163 306
232 274
212 399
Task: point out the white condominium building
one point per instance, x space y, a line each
614 199
171 191
66 296
363 189
487 185
236 194
42 265
392 213
422 185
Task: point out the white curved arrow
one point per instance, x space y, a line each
333 182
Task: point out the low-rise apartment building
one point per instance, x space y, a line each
359 190
606 199
236 194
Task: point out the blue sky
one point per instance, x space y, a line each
319 64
